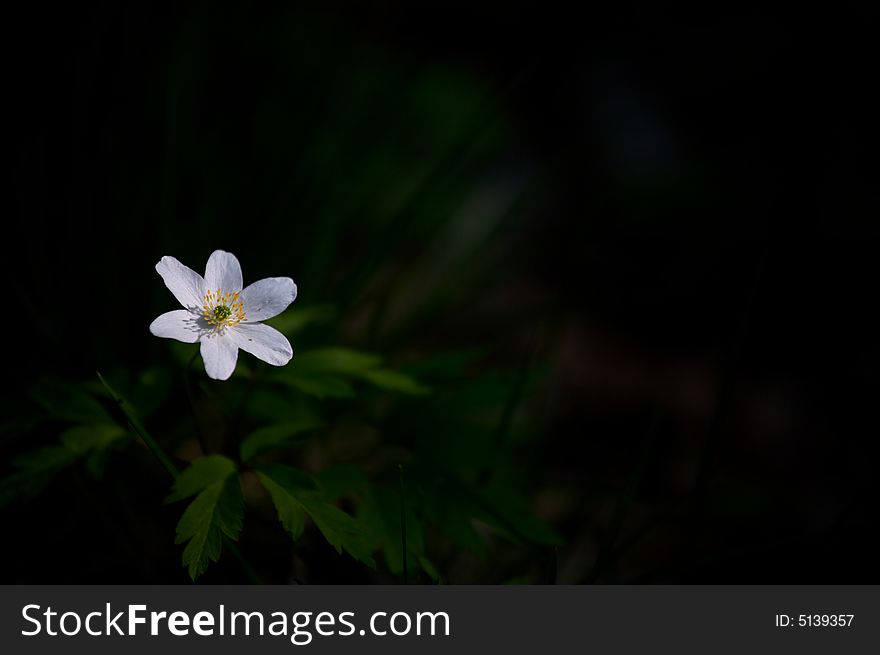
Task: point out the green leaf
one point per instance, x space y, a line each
381 511
36 468
340 361
320 386
393 381
291 496
139 428
150 389
65 401
96 463
145 390
44 459
93 442
273 436
203 473
267 404
83 439
292 479
215 512
290 512
340 529
322 373
294 320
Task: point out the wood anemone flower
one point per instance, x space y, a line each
222 316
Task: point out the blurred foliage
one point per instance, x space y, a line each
374 213
336 404
516 239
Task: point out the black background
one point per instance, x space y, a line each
707 233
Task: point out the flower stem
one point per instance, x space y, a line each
169 466
187 384
249 571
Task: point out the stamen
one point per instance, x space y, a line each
223 310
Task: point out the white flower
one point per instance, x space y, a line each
222 316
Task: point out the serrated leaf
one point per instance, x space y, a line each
291 497
293 479
393 381
201 474
340 529
381 511
274 436
216 510
290 512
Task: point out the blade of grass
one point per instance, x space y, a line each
140 430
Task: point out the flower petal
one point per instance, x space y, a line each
186 285
267 298
263 342
220 354
223 271
180 324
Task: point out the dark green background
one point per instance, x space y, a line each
655 232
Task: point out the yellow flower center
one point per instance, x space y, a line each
223 310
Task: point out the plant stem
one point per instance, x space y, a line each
173 471
187 384
140 430
249 571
